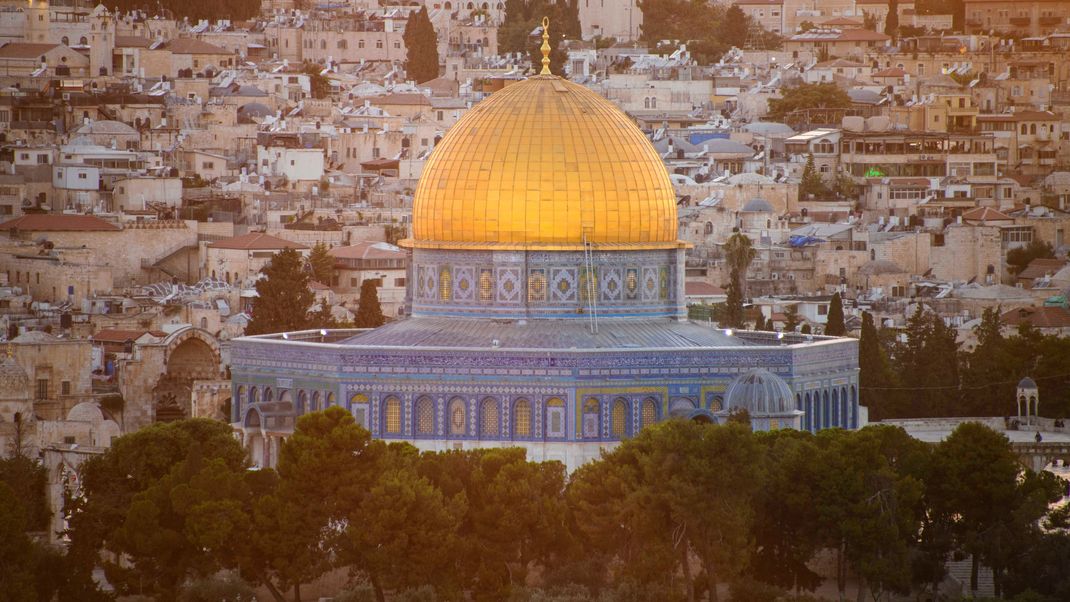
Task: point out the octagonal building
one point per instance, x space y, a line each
545 305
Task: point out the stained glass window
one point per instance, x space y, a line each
489 413
358 405
486 284
537 285
618 420
457 417
425 416
650 412
393 415
445 283
522 418
555 417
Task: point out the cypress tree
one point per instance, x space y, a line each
283 297
835 326
421 47
874 371
733 312
891 24
369 312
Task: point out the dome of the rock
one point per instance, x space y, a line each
542 164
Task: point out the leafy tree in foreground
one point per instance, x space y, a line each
421 47
318 82
283 296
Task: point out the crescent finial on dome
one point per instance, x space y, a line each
545 47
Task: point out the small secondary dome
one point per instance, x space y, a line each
1027 383
761 393
544 164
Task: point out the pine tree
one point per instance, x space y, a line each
421 45
835 326
322 317
369 312
791 318
811 183
322 264
283 297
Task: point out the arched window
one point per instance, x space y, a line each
65 41
824 423
1032 128
392 416
555 417
649 412
284 395
835 408
845 416
489 423
522 418
269 395
458 417
590 418
425 416
254 395
331 400
302 402
618 419
405 143
315 407
717 403
646 102
471 6
808 421
83 41
358 406
239 399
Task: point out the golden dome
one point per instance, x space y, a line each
539 164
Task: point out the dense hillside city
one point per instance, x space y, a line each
535 300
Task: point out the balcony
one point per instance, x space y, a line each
1051 21
1021 21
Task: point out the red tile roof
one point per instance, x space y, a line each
193 46
256 241
118 335
701 289
367 250
985 214
890 72
1040 317
23 50
48 222
1038 268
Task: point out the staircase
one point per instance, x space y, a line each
157 263
960 572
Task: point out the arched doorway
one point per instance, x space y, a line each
190 356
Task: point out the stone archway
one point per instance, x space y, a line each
191 355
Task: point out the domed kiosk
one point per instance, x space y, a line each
545 302
767 399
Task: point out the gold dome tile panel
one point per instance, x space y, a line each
539 164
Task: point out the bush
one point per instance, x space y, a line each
224 587
749 590
361 593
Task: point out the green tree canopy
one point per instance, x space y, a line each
523 17
283 296
421 47
1019 258
369 312
807 96
320 85
322 264
835 326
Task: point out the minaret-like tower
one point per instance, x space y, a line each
38 22
101 41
